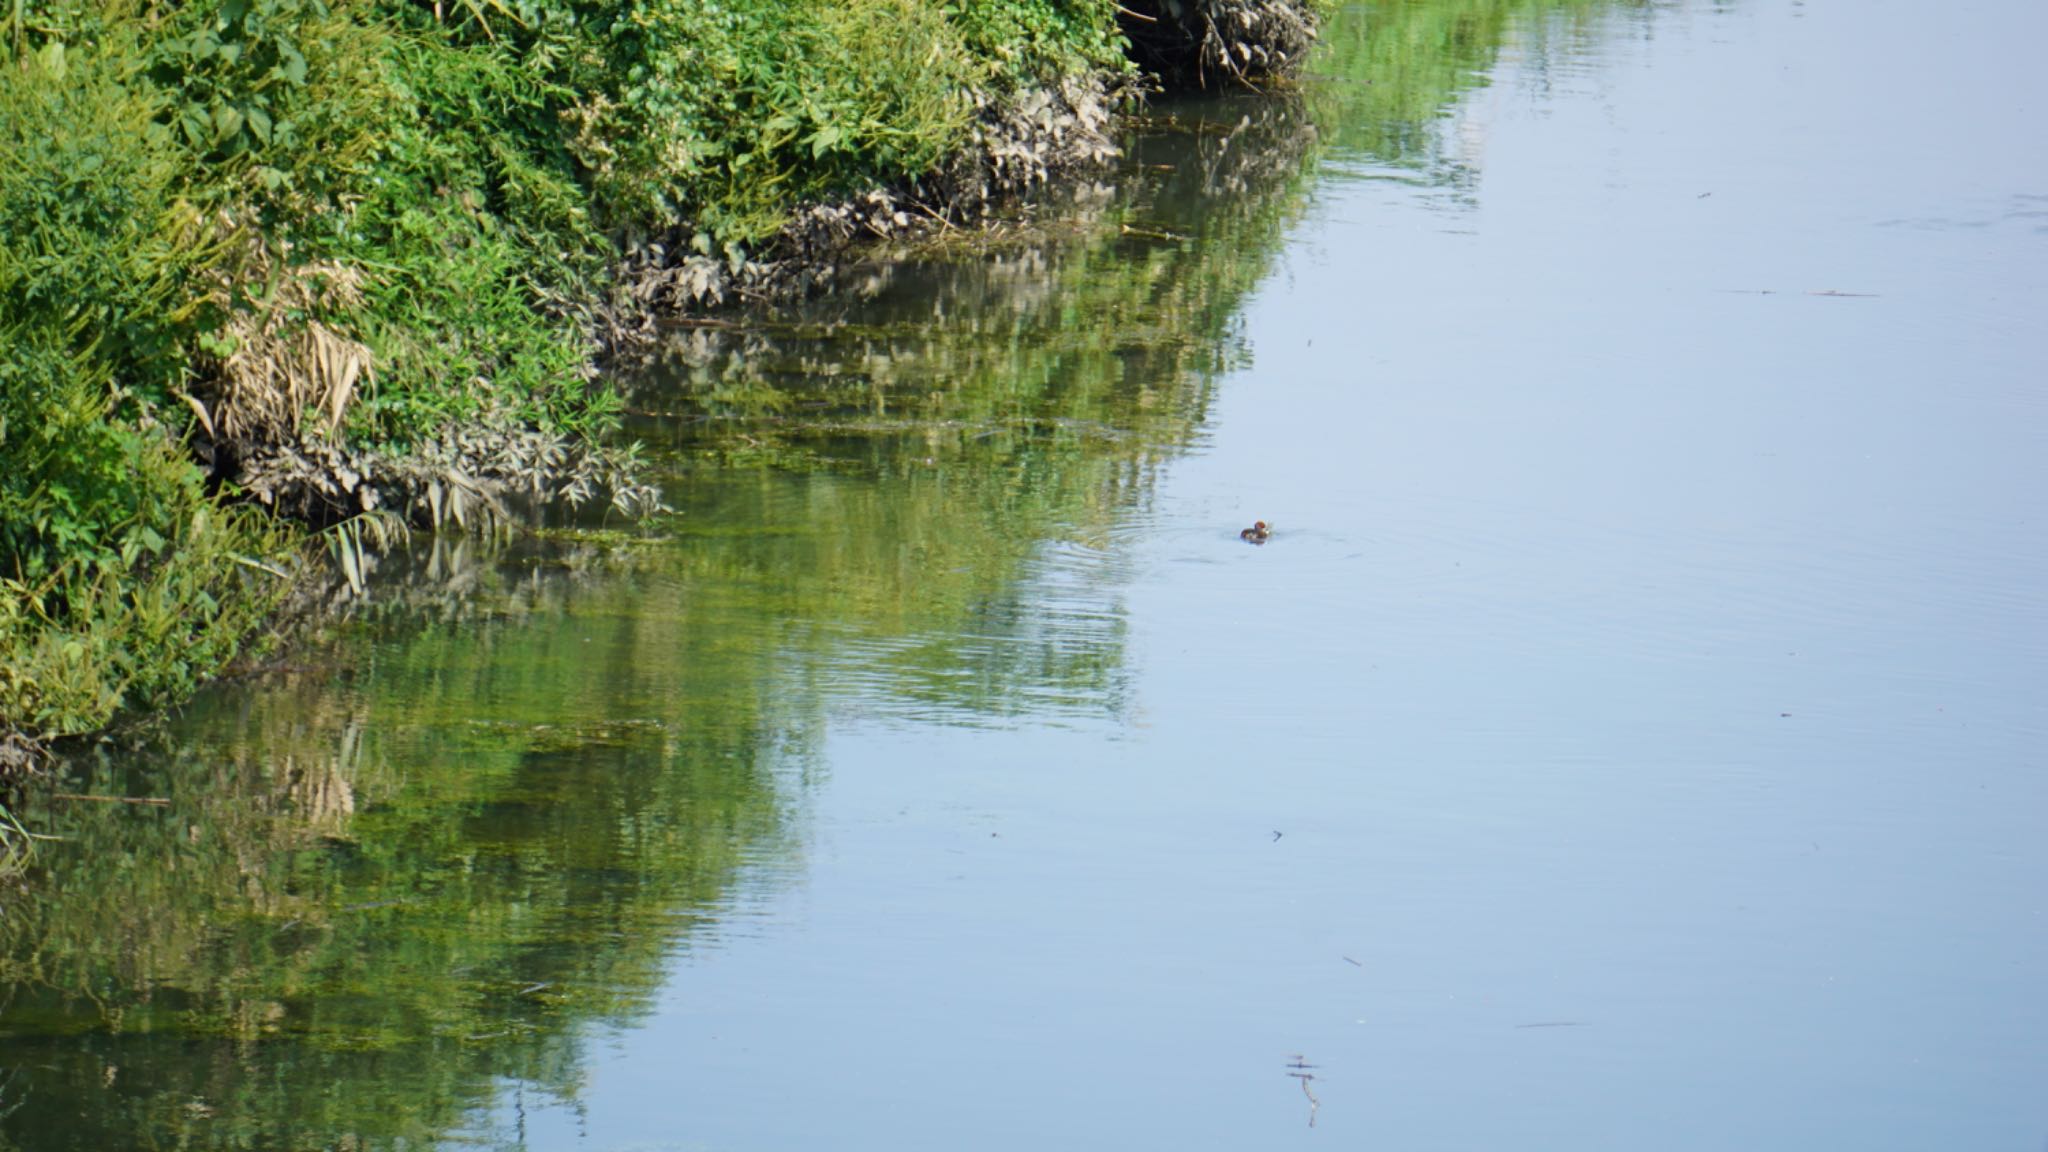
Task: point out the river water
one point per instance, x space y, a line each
1632 735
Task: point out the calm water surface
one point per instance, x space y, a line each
1632 737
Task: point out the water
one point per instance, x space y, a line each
1632 736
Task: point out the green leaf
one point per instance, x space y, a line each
227 122
198 126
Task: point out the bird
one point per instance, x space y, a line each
1256 534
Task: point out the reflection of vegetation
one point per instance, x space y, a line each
1384 76
916 451
1118 322
405 882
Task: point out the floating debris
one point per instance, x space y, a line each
1300 1069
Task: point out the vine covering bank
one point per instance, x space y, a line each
339 258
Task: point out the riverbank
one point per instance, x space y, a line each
354 262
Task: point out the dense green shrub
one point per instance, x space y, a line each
278 102
124 584
724 116
93 289
120 582
97 250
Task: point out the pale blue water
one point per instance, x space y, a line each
1650 647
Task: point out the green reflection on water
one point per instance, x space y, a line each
1388 71
386 886
367 898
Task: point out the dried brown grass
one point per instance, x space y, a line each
285 372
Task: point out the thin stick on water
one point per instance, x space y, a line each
1300 1071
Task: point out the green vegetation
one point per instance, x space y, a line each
279 247
119 579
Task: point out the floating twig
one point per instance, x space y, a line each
1300 1069
156 801
1149 234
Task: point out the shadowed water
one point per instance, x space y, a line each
1631 736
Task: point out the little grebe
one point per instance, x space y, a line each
1256 534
